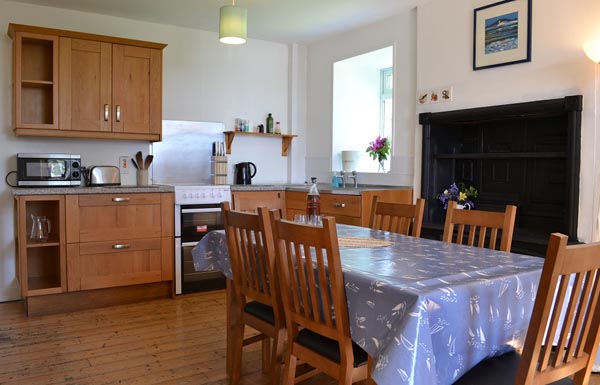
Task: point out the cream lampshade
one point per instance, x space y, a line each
592 50
233 24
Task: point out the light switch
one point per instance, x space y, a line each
124 165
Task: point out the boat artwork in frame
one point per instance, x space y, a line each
502 34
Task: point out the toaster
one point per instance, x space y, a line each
104 176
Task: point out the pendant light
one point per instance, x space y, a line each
232 24
592 50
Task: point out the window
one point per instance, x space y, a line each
362 107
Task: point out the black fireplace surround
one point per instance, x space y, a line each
524 154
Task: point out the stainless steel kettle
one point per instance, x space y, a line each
244 172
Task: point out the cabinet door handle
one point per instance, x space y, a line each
121 199
342 205
106 112
118 113
121 246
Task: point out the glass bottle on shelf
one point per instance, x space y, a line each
313 204
277 127
269 124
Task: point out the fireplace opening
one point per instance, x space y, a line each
525 154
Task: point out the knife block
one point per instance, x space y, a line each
218 170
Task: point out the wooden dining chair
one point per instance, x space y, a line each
257 301
397 217
479 222
579 335
314 301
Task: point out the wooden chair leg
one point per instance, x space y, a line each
345 375
278 348
236 357
266 355
289 371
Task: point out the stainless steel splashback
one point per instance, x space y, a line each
183 156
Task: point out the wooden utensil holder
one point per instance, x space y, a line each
218 169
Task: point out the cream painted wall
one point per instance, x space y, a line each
202 80
558 68
399 31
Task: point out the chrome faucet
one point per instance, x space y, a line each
342 178
354 176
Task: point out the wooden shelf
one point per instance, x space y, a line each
504 155
286 139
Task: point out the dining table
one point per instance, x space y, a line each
426 311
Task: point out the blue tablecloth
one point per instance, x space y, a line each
426 311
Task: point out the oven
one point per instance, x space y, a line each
197 211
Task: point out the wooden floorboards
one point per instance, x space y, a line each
167 342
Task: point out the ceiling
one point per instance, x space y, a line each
285 21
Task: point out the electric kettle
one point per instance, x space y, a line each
243 172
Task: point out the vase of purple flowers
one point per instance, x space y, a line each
460 194
379 149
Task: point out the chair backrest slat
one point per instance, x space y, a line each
311 275
399 218
570 285
480 223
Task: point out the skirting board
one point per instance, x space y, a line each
9 294
91 299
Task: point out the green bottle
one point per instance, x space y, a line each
269 124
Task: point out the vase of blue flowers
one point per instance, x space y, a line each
461 194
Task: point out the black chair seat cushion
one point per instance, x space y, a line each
500 370
261 311
329 348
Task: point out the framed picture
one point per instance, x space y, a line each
502 34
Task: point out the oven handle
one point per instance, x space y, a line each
188 244
211 210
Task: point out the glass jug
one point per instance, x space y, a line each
40 228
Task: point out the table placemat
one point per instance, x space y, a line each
345 241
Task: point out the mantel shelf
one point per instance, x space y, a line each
286 139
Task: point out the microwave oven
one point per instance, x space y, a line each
51 170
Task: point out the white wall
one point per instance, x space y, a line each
399 31
203 80
558 68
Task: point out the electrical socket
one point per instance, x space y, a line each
124 164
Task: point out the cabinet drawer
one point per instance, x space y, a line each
128 245
118 199
99 218
338 204
98 265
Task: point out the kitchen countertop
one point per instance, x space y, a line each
91 190
157 188
323 188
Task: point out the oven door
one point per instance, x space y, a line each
192 223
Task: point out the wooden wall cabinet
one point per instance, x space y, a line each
347 209
73 84
41 265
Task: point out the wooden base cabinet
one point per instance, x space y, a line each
347 209
119 239
250 200
99 244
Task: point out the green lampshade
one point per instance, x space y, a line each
232 25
